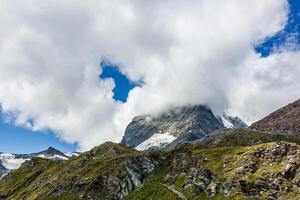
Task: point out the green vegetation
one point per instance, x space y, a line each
244 137
39 177
154 189
229 169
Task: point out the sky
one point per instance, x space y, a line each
73 74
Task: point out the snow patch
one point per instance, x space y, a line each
71 154
156 140
226 122
10 162
53 157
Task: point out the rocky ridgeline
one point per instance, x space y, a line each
286 120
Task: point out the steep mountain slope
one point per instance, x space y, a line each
176 126
286 119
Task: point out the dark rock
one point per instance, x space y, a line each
198 120
290 171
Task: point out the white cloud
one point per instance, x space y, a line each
265 85
186 52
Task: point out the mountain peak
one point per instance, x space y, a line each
178 125
52 150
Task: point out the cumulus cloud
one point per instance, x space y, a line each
186 52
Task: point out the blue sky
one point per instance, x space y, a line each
123 84
291 31
18 139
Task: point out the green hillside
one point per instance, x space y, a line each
240 165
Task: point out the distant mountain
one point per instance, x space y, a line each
176 126
9 162
286 119
51 153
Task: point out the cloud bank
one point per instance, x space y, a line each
186 52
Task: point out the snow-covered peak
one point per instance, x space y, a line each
157 140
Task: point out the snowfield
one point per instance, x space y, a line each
10 162
156 140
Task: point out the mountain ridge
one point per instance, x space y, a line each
285 119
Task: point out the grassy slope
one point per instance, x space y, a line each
223 162
244 137
37 178
223 158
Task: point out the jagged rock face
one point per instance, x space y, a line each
286 119
176 122
129 178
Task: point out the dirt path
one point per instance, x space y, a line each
172 189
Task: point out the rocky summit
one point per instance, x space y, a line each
176 126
